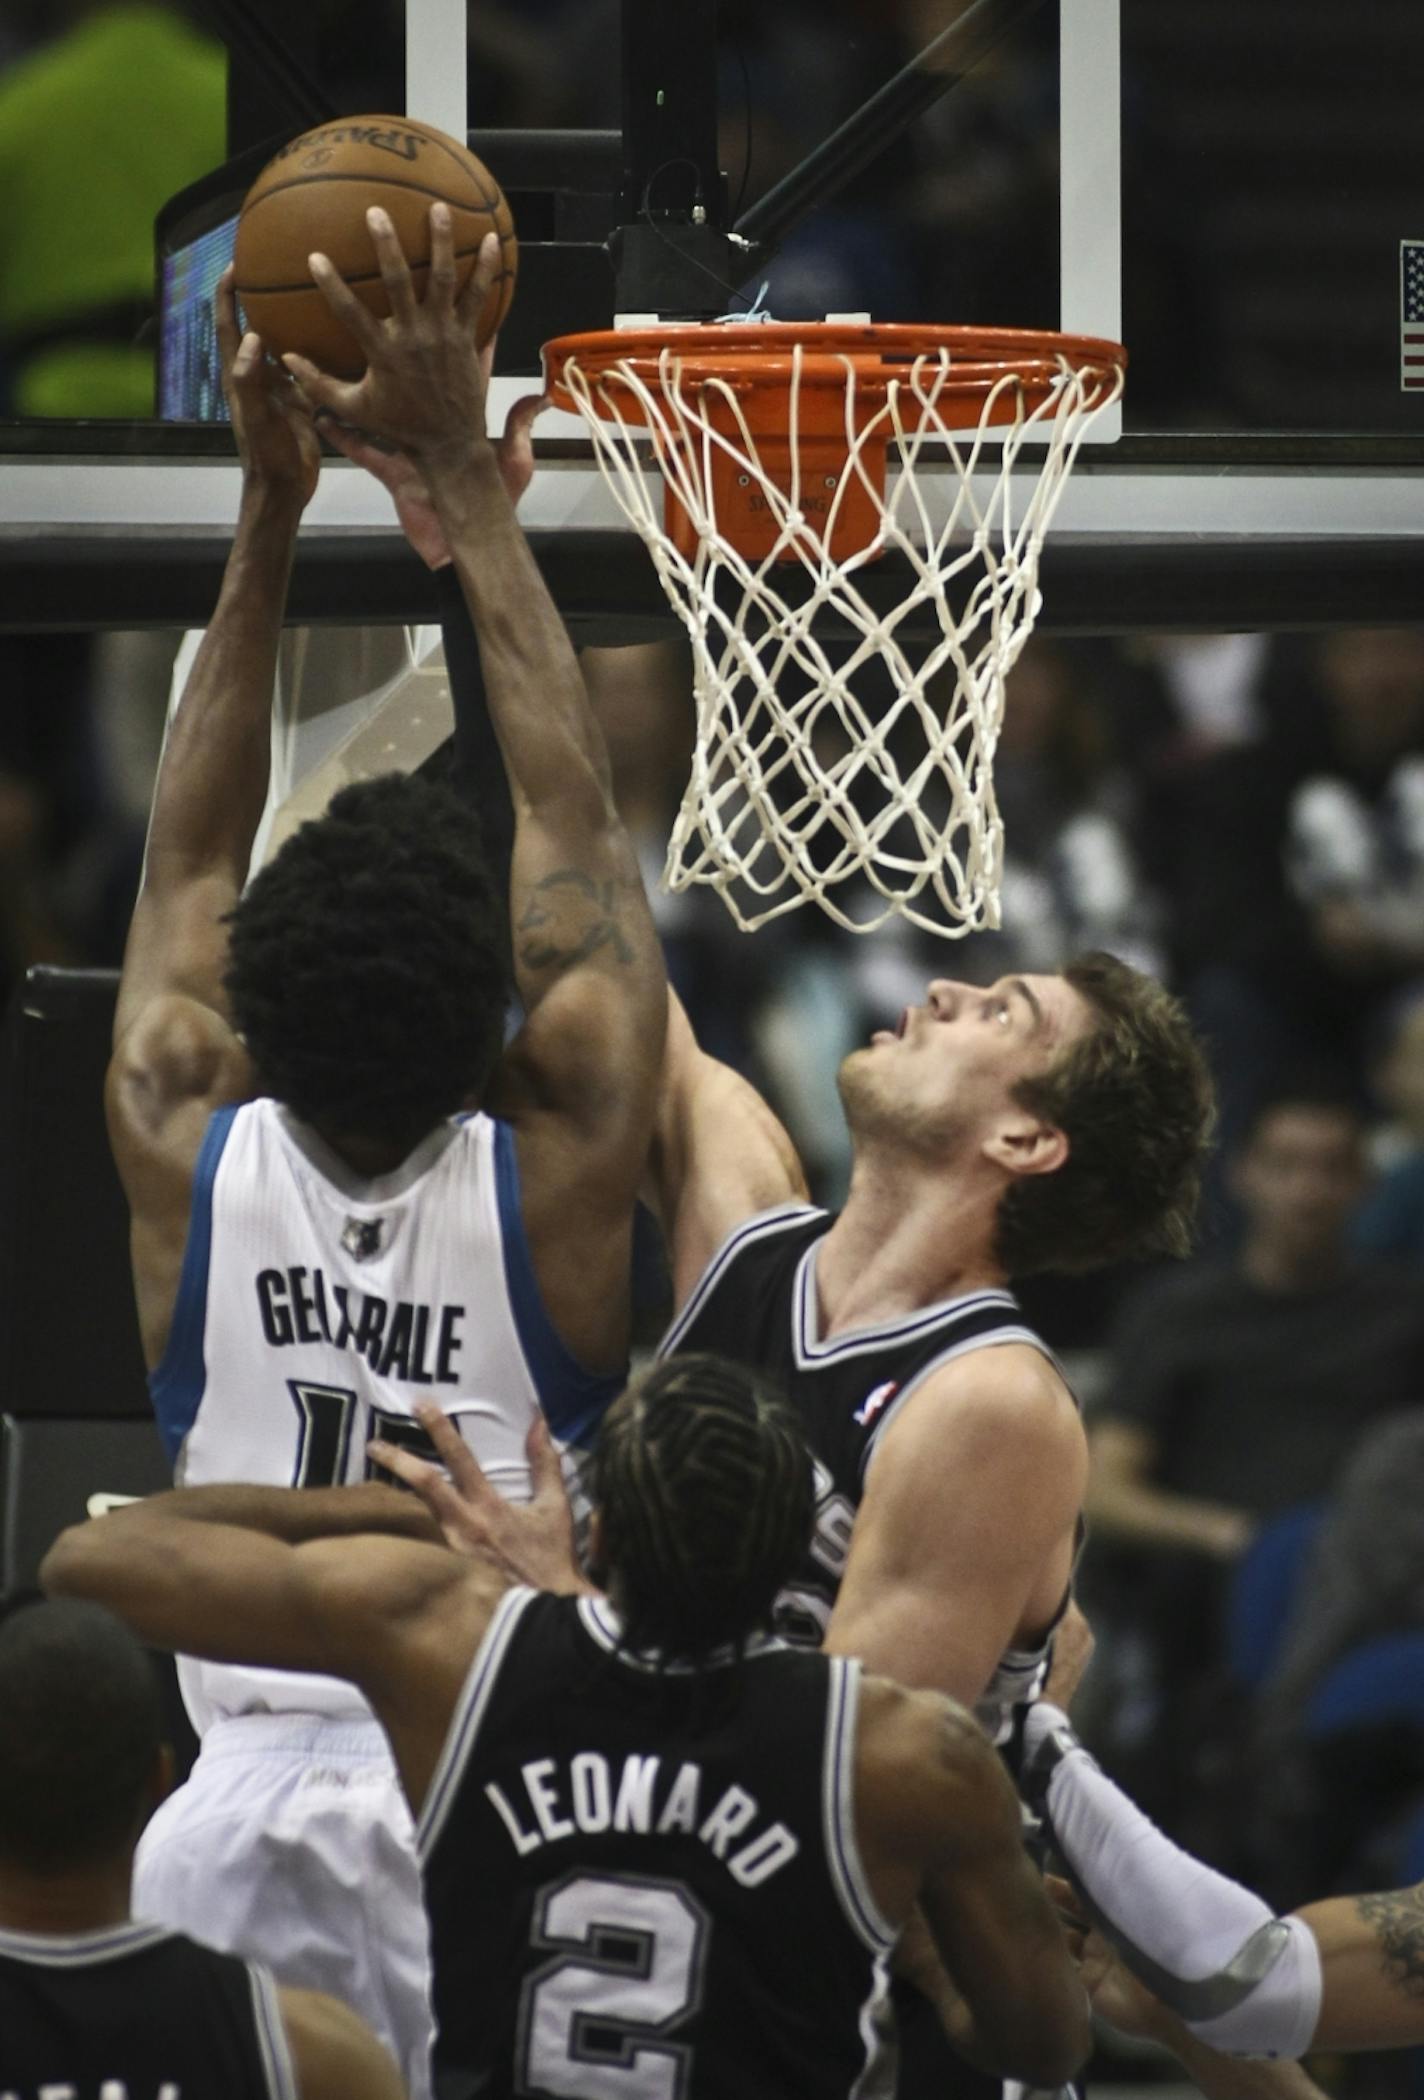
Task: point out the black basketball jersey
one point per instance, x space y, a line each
137 2013
756 1302
643 1883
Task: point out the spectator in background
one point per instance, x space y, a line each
1391 1220
1240 1386
1365 1573
98 128
1320 825
1323 1798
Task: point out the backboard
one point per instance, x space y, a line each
1226 189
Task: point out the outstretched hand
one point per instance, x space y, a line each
398 473
425 382
271 421
530 1542
401 475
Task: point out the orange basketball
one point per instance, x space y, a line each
314 196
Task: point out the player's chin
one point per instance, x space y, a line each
856 1079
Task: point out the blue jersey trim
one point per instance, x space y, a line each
574 1400
176 1386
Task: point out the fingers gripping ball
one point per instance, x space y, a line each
314 196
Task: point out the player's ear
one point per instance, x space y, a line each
1024 1143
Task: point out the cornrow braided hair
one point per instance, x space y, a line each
366 965
703 1483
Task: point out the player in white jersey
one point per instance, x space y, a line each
344 1196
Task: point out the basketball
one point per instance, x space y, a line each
313 196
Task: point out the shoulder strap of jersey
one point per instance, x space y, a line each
984 1331
82 1950
469 1712
752 1232
843 1859
176 1384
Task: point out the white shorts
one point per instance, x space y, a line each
292 1844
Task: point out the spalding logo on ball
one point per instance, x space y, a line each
313 198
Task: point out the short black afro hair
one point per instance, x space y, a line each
367 963
80 1732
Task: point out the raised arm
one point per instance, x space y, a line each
175 1056
583 932
580 1082
332 1579
212 782
719 1154
963 1543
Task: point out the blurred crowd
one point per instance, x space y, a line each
1242 815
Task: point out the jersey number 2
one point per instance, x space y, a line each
597 2022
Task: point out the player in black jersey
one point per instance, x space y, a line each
662 1854
93 2005
1045 1122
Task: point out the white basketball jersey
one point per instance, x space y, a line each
313 1310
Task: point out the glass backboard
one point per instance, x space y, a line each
1225 188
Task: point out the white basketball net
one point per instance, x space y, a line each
871 805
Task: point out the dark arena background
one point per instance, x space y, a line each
1211 762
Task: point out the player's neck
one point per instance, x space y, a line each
901 1242
368 1158
86 1899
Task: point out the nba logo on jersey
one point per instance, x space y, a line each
871 1405
361 1237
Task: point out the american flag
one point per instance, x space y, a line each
1411 316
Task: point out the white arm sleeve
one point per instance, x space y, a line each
1242 1980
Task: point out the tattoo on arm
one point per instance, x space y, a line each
568 919
1396 1917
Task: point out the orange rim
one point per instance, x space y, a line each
758 356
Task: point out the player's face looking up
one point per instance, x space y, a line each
1085 1094
951 1066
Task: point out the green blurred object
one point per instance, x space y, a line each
97 130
